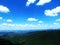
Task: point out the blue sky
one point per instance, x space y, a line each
29 14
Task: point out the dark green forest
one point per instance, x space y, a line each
46 37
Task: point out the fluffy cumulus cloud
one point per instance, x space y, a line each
4 24
9 26
4 9
1 18
40 21
55 23
58 20
53 12
42 2
30 2
9 20
32 19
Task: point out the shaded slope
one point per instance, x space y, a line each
51 37
44 38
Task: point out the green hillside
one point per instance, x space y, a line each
35 38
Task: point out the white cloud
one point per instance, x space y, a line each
55 23
42 2
58 20
9 20
53 12
12 25
1 18
9 26
4 24
4 9
30 2
40 22
32 19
